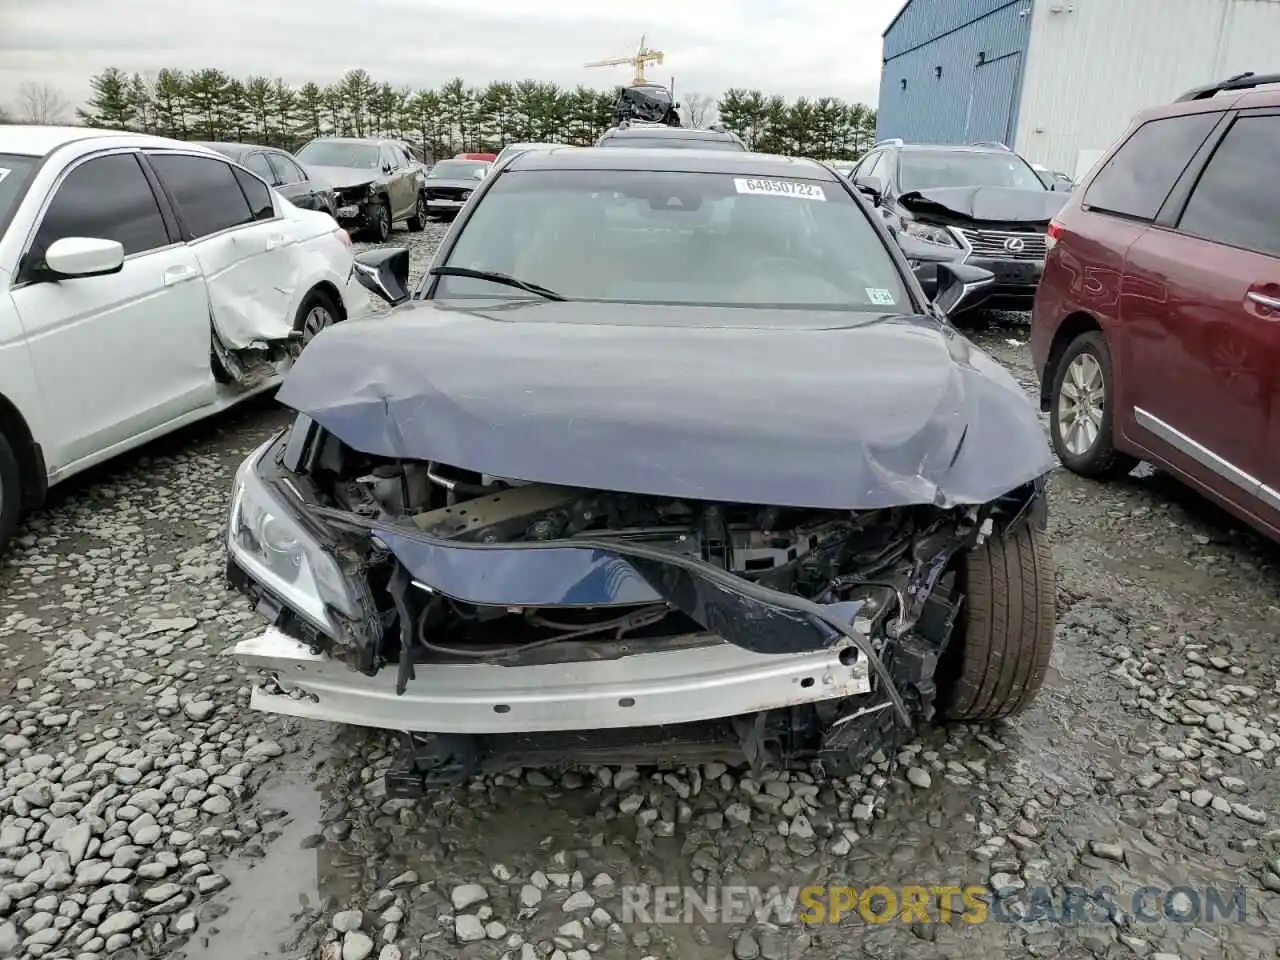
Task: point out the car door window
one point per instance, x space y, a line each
257 162
286 170
206 192
258 194
108 198
1136 181
1235 201
388 158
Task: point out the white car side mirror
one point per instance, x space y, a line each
84 257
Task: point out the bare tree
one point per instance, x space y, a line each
4 115
699 109
40 103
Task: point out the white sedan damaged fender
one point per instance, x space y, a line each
258 278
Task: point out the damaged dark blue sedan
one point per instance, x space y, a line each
668 453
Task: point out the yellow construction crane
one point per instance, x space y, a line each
642 57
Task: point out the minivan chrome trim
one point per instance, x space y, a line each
1207 458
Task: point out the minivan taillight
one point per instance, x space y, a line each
1055 231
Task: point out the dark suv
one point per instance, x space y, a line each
670 138
1156 330
980 204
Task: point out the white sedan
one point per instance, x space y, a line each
144 283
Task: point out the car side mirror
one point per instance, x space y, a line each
961 287
387 168
73 257
870 188
384 273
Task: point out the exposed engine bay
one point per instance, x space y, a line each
822 556
603 575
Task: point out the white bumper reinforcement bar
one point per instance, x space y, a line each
644 689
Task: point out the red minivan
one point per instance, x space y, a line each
1156 326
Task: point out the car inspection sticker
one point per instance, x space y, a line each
780 188
3 173
879 296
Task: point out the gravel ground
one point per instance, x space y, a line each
145 812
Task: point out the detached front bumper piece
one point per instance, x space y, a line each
708 682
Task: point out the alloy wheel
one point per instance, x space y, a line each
317 318
1081 401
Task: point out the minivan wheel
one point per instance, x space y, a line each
10 491
1081 411
998 656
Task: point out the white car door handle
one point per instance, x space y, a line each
275 242
179 274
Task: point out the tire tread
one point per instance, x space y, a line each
1008 626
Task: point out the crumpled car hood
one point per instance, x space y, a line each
800 408
999 204
341 178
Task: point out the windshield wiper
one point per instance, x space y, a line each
495 277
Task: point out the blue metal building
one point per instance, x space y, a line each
953 71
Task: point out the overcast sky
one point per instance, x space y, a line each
791 47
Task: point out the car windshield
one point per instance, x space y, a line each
920 170
700 239
458 170
15 172
333 153
672 143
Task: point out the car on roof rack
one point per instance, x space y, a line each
1156 327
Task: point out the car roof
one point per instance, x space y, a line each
377 140
37 141
736 163
661 131
1227 100
949 148
40 141
233 149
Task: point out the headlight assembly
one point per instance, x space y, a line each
278 552
930 234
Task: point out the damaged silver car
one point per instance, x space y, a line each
668 455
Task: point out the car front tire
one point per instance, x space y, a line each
998 656
380 222
418 222
1082 411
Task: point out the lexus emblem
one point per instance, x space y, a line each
1014 245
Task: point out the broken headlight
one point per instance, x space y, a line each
940 236
277 551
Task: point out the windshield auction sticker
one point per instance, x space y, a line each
780 188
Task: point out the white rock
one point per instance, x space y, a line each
469 928
467 894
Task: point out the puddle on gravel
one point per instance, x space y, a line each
257 914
